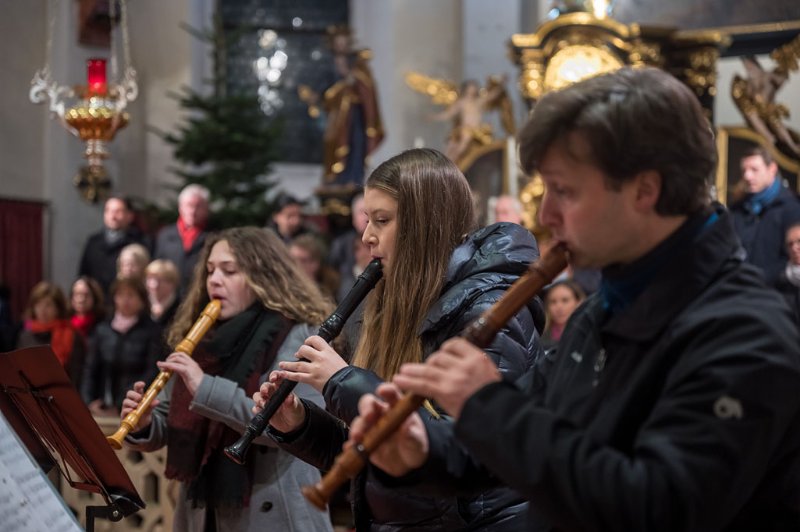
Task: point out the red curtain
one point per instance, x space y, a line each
21 253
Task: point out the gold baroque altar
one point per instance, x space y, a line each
578 45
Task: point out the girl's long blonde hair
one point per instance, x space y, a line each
268 270
435 211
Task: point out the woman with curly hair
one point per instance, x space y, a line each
267 308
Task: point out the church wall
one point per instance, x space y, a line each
21 124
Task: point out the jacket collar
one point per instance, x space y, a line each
677 283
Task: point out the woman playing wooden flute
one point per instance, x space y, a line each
439 274
267 306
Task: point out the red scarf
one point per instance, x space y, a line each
62 336
188 234
83 323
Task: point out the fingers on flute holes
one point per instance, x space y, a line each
316 342
440 359
305 351
373 407
358 427
388 392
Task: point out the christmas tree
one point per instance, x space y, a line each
226 143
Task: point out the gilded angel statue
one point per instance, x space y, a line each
755 98
466 105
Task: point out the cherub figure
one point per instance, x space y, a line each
755 98
466 108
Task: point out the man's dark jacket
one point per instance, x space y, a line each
169 246
99 259
679 412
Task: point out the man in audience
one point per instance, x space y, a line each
508 209
182 241
764 215
99 259
287 220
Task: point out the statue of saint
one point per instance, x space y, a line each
353 128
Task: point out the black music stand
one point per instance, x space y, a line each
49 417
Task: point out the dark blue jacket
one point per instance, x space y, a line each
679 412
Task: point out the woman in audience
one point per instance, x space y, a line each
267 307
562 298
162 282
86 304
124 349
789 281
308 251
132 261
47 323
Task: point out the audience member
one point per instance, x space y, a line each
763 216
124 349
671 402
362 258
132 261
508 209
308 251
182 241
287 220
341 255
561 300
47 323
86 305
99 259
162 281
268 308
789 279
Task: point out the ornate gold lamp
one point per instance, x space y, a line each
93 112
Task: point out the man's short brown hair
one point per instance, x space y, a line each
633 120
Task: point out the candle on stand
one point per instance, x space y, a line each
96 77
